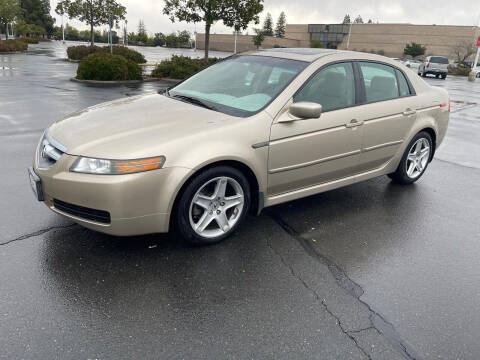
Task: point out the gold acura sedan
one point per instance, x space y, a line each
251 131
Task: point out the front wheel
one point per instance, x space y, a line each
212 205
415 159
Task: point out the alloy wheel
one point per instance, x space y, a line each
417 159
216 207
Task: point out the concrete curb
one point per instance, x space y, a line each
101 83
13 52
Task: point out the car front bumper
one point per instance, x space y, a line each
136 203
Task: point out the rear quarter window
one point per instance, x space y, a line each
439 60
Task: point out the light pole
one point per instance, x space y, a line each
349 34
63 31
235 47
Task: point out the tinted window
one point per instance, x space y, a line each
402 84
438 60
332 87
241 85
380 82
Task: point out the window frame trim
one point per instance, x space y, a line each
323 67
362 81
360 92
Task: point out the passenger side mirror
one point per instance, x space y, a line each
306 110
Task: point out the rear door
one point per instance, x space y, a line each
389 112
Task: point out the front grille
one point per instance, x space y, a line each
49 151
100 216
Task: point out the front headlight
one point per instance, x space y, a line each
116 167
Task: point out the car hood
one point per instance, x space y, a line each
134 127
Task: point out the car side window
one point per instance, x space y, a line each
332 87
380 81
402 84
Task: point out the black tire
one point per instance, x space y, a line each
400 175
437 76
424 74
444 76
181 212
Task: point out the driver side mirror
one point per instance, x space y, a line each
306 110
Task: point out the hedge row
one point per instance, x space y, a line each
29 40
13 46
107 67
181 67
79 52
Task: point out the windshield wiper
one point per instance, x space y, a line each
194 100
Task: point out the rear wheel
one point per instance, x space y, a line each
444 76
415 159
213 205
424 74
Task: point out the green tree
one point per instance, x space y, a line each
346 19
258 38
233 13
37 12
92 12
414 50
184 38
281 26
158 39
9 11
268 25
142 36
358 20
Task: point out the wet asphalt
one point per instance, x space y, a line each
374 270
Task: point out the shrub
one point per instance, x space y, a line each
28 40
459 70
316 44
127 53
79 52
181 67
107 67
13 46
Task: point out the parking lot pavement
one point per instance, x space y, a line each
374 270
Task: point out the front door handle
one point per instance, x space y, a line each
354 123
409 112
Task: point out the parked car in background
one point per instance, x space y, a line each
249 132
476 70
434 65
413 64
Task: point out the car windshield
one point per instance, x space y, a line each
438 60
239 85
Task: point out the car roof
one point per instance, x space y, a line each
312 54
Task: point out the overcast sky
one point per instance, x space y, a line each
441 12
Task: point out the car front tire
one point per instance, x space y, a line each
212 205
415 159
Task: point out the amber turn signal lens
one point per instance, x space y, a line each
133 166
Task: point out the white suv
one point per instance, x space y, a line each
435 65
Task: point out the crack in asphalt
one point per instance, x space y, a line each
379 323
317 298
37 233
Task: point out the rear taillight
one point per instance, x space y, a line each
444 105
428 65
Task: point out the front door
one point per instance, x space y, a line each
308 152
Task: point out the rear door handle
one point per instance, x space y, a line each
354 123
409 112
